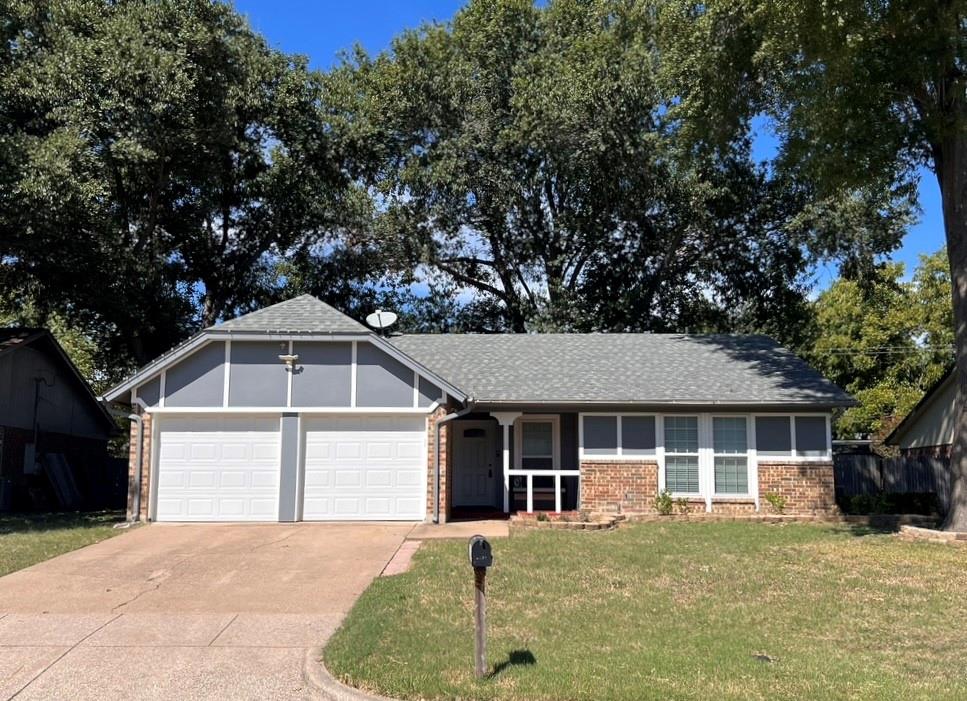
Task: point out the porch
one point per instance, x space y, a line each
505 462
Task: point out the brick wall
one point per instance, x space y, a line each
631 487
807 487
145 467
431 423
625 486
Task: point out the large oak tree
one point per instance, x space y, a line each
862 95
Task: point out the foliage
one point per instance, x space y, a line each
862 95
776 501
154 156
664 502
542 516
682 505
527 154
884 340
891 503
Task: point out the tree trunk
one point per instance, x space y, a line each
952 175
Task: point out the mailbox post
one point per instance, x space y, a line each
481 557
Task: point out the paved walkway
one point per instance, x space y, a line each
186 611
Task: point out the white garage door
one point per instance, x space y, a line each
218 469
365 468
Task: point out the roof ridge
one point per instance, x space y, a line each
304 312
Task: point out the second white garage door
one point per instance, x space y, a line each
365 468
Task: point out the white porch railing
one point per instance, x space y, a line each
556 474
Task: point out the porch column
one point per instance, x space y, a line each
506 419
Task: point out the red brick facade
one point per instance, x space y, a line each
807 487
431 423
621 486
145 467
630 487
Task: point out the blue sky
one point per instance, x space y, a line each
321 29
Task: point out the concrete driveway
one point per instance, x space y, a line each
185 611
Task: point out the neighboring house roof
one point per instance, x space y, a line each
618 368
302 314
920 408
13 339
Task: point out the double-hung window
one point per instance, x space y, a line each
730 450
681 454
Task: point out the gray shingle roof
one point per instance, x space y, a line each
622 368
302 314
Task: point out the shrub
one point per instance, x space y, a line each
682 504
776 501
664 503
541 516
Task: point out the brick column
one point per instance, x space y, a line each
431 423
619 486
807 487
145 467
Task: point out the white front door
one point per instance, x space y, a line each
218 469
360 468
474 466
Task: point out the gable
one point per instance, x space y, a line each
65 403
329 374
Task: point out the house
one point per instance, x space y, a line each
297 412
928 430
53 430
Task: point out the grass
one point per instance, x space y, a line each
671 611
26 539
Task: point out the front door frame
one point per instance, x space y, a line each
490 426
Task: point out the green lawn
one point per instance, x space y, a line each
671 611
26 539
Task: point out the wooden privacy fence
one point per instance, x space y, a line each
871 474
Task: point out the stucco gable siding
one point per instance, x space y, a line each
324 374
381 380
198 380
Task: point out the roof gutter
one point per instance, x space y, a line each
436 467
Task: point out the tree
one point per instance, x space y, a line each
155 155
525 153
883 340
862 95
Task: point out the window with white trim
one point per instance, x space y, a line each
617 435
681 454
537 444
730 451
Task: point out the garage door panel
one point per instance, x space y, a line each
365 468
218 469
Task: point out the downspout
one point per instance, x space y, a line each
436 482
138 419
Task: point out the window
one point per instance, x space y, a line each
537 439
681 454
617 435
638 435
730 451
811 436
773 435
791 436
600 435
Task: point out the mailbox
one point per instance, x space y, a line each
480 553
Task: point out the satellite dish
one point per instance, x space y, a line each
381 320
